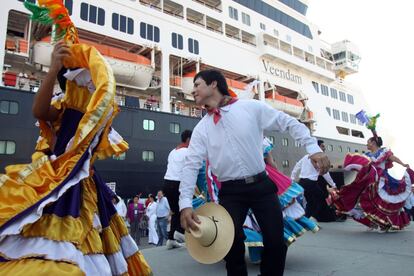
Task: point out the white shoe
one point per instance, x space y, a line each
179 237
171 244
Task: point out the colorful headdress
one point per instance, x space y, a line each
369 121
54 12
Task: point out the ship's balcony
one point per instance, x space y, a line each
173 8
283 52
212 4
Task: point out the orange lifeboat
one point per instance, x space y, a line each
291 106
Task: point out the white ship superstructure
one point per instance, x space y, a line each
156 47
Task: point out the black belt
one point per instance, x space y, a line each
248 180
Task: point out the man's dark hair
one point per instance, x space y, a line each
377 140
320 142
186 134
214 75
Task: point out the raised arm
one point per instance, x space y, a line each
394 158
272 119
41 105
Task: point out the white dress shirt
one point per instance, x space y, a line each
233 146
175 165
121 207
306 170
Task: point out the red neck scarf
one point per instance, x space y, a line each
216 111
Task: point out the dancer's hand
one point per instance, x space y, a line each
406 165
321 162
60 52
189 219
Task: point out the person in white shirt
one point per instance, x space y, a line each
315 188
172 180
120 206
150 212
230 137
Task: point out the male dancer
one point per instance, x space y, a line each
230 137
172 180
315 188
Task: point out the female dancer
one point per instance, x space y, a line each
375 198
56 213
152 218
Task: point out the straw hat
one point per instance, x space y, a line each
214 238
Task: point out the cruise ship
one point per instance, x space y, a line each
268 50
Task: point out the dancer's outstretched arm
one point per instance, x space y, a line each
41 106
394 158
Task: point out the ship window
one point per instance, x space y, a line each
342 130
330 147
149 32
177 41
316 86
285 142
246 19
335 113
340 149
122 23
297 144
68 5
342 96
345 117
352 118
348 149
9 107
272 139
122 156
296 5
193 46
233 13
350 99
285 163
174 128
148 156
328 109
324 90
357 133
334 93
263 26
92 14
7 147
148 125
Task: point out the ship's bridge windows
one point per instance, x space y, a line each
357 133
149 32
352 118
342 130
345 116
324 90
316 86
350 99
92 14
9 107
335 113
7 147
285 163
246 19
148 156
122 23
334 93
193 46
175 128
328 109
342 96
177 41
233 13
122 156
285 142
148 125
296 5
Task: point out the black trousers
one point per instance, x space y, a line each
315 195
172 193
261 197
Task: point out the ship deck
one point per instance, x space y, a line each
340 248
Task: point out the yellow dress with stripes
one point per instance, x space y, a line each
56 214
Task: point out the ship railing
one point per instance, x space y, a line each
173 14
214 30
208 5
195 22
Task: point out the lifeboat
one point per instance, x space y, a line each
291 106
129 69
240 88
